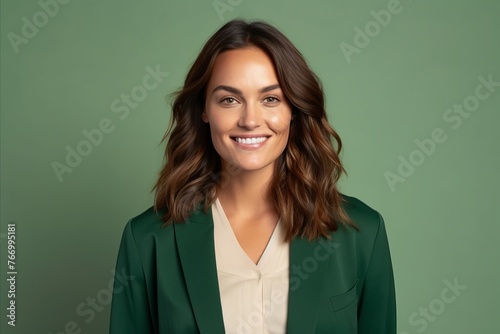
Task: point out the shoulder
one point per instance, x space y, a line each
362 214
146 227
368 220
367 245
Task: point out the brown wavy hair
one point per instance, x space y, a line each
303 190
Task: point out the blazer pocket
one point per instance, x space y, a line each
345 299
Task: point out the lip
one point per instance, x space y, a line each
250 136
250 147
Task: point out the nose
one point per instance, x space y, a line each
251 116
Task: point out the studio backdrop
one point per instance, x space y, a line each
412 87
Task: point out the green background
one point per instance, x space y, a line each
442 222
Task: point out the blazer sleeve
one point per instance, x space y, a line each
377 304
130 311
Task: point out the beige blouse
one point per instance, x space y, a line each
254 297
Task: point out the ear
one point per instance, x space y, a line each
204 116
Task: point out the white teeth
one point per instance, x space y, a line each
254 140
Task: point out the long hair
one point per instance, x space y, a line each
303 190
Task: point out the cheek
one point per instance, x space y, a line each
219 128
216 134
218 123
280 123
217 141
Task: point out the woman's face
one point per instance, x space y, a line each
248 113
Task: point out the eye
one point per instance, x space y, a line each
228 100
271 99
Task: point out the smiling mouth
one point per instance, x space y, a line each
249 141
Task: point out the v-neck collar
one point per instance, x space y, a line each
233 259
195 245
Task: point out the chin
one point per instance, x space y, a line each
249 167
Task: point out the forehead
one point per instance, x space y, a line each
242 65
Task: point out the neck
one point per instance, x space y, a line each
245 192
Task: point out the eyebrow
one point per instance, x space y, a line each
239 92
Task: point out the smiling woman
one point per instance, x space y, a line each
248 114
248 232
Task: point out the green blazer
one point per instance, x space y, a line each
166 278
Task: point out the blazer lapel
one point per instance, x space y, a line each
195 243
307 272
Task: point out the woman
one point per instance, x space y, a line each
249 233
